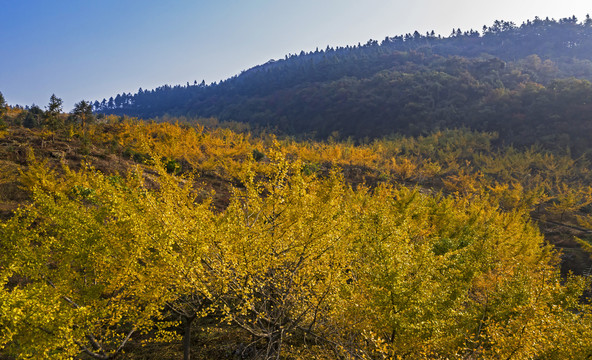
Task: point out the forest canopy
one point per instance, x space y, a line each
530 83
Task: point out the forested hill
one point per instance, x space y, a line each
526 82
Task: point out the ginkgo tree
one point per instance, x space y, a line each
295 258
182 221
446 277
284 258
74 264
95 259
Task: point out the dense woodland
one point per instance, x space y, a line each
528 82
464 234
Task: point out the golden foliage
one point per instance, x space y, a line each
446 265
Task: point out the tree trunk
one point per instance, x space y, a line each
187 321
274 345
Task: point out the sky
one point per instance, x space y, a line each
91 49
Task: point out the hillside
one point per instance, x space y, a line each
424 197
529 83
144 240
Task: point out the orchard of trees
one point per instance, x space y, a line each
217 244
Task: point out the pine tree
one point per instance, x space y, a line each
82 112
52 114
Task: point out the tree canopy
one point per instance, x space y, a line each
295 258
511 79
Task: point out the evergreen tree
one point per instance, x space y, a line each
52 114
2 111
33 117
83 112
3 105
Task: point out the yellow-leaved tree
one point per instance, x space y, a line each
285 256
445 277
72 261
182 222
95 259
306 265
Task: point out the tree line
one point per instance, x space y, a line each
409 84
51 118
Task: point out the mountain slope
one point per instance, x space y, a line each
513 80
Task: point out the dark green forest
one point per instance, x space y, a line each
530 83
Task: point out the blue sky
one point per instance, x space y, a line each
91 49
